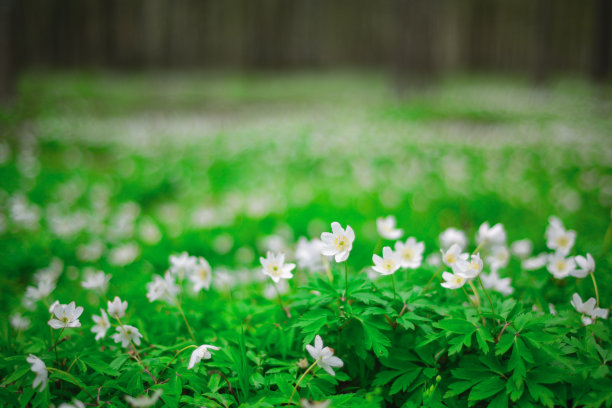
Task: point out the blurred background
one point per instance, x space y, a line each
131 130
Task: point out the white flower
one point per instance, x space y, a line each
125 334
521 248
388 264
386 227
308 254
67 316
274 266
453 280
182 265
452 236
410 253
270 291
324 356
587 265
536 262
116 308
41 291
201 353
588 308
40 369
18 322
493 281
53 306
102 325
469 269
163 288
434 259
124 254
499 257
143 400
560 266
315 404
338 243
453 255
96 280
559 239
201 275
495 235
75 404
552 309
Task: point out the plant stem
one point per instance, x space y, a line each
55 344
130 340
174 358
378 245
595 286
492 308
393 283
180 309
345 280
76 382
280 300
301 378
433 277
476 295
327 268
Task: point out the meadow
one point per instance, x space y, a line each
206 202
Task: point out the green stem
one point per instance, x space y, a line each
393 283
327 268
433 277
174 358
55 344
595 286
76 382
131 344
280 300
346 280
301 378
475 293
180 309
492 308
378 245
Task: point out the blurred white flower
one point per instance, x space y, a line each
410 253
491 236
453 255
521 248
388 263
499 257
163 288
386 227
200 353
560 266
75 404
315 404
182 265
324 356
587 266
274 266
201 275
40 369
269 291
434 259
493 281
552 309
116 308
308 254
452 236
18 322
90 252
67 316
39 292
453 280
469 269
102 325
96 281
339 242
589 307
124 254
558 238
143 400
126 333
536 262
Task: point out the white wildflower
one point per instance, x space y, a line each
324 356
274 266
67 316
126 333
388 263
386 227
338 243
200 353
410 253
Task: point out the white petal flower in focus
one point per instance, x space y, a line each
386 227
410 253
324 356
275 267
117 308
200 353
125 334
163 288
338 243
102 325
40 369
388 264
453 255
66 316
469 269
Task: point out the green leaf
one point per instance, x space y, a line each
458 387
375 339
68 378
17 374
403 382
501 401
486 389
458 326
99 366
504 344
541 393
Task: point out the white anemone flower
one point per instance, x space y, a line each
494 282
40 369
144 400
521 248
96 281
201 275
558 238
587 266
67 316
308 254
453 280
183 264
386 227
536 262
410 253
75 404
499 257
588 308
560 266
18 322
126 333
275 267
495 235
324 356
200 353
388 263
117 308
163 288
452 236
339 242
453 255
469 269
41 291
102 325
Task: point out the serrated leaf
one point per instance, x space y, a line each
17 374
541 393
99 366
374 339
504 344
403 382
458 387
458 326
486 389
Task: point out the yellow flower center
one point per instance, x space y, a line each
562 241
451 258
340 242
388 264
408 254
561 265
